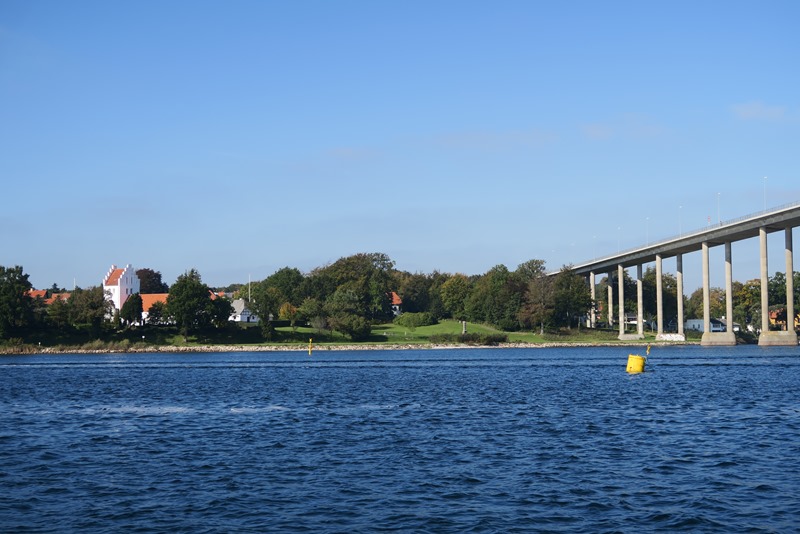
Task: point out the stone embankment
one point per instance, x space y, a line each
304 348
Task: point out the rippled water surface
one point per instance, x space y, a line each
481 440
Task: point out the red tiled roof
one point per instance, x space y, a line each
113 278
396 300
149 299
57 296
37 293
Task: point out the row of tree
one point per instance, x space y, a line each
354 293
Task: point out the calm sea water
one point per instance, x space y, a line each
480 440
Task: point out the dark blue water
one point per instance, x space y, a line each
486 440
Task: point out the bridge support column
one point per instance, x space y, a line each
790 311
659 298
661 336
679 269
621 297
621 283
786 337
592 292
610 309
710 338
639 303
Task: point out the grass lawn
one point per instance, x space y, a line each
396 334
250 335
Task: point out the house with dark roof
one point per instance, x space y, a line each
241 313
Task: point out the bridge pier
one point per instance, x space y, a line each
623 336
679 277
718 339
786 337
726 338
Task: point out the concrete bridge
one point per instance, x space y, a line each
782 219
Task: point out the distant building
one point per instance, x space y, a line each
121 284
149 299
736 326
698 326
57 296
397 302
241 313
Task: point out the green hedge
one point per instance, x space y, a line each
414 320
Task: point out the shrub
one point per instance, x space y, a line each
413 320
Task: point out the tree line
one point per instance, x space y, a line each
354 293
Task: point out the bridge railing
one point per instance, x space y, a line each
690 233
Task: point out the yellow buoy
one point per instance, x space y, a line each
636 363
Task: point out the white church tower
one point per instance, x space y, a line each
121 283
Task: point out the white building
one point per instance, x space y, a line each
697 325
241 313
121 283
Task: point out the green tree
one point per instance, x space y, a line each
16 305
538 302
58 314
288 312
189 303
288 281
344 309
747 301
777 289
435 304
573 299
319 284
531 270
693 308
131 311
496 299
371 277
414 289
90 308
220 310
313 311
454 294
150 282
265 304
157 313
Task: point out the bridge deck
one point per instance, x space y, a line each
727 231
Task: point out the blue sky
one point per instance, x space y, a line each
241 137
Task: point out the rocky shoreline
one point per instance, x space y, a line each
321 348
